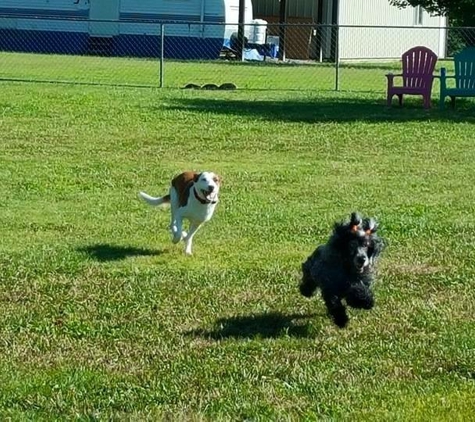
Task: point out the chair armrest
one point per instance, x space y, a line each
392 75
443 74
443 81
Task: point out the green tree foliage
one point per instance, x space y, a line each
461 12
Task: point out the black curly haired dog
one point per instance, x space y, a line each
344 267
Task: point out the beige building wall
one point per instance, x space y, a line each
387 43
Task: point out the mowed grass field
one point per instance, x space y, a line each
352 76
102 318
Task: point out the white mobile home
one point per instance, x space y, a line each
192 28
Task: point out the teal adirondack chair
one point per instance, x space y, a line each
464 77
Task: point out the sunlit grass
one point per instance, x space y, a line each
103 318
269 75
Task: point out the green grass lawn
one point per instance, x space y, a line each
176 74
103 318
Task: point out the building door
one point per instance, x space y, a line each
324 36
104 18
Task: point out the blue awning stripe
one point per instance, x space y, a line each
18 12
164 17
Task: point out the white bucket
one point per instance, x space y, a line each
258 31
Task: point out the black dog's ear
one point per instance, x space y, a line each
370 226
345 228
355 222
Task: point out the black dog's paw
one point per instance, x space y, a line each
360 297
341 319
307 288
339 316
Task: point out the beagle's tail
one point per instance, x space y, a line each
154 201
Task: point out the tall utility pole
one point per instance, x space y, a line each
241 19
282 21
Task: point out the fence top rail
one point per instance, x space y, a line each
18 15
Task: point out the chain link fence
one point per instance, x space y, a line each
207 55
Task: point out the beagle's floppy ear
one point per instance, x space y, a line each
196 177
218 179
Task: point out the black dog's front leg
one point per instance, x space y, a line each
360 296
335 308
308 284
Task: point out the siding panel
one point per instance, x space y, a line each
382 43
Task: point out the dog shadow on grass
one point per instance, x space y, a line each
105 252
266 325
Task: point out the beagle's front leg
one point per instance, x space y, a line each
194 227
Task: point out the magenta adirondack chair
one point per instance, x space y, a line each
418 65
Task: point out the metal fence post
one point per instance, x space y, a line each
162 49
337 58
240 34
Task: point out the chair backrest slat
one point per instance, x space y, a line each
465 69
418 66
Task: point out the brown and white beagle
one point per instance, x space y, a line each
192 196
